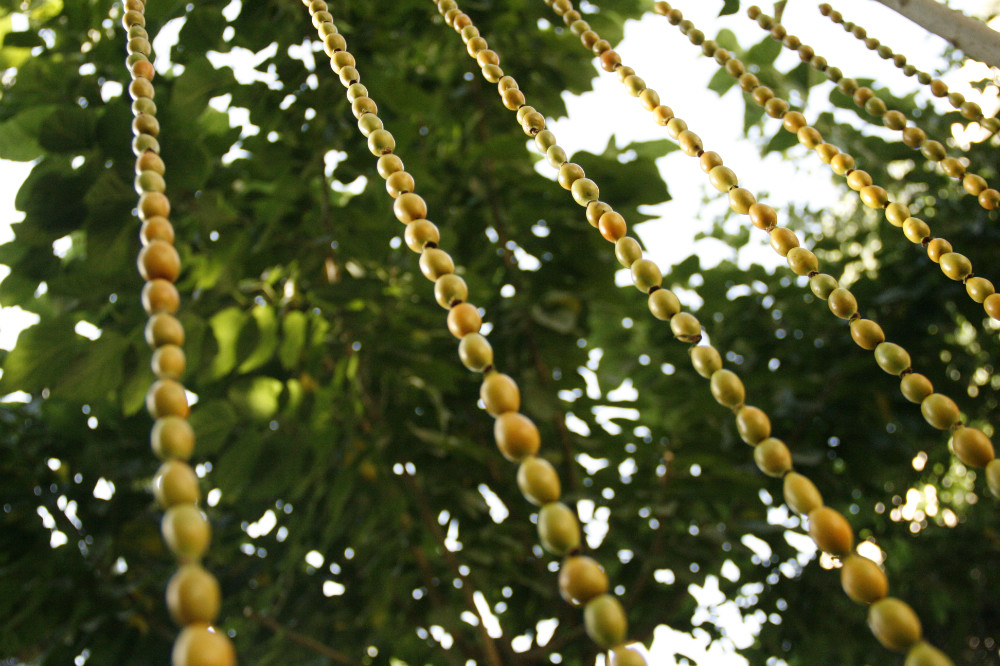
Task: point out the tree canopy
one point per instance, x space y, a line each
360 511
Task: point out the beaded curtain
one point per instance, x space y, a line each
348 479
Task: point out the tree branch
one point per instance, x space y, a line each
301 639
973 37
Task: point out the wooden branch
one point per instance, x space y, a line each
972 37
300 639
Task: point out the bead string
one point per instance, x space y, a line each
193 596
955 266
582 580
864 97
939 88
971 445
892 621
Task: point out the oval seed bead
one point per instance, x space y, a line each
915 387
979 289
475 352
802 261
773 457
783 240
868 335
612 226
727 388
896 214
434 263
874 196
449 290
627 251
892 358
646 275
857 180
842 163
822 285
763 216
842 303
940 411
723 178
741 200
956 266
664 304
584 191
569 173
685 327
937 248
916 230
972 447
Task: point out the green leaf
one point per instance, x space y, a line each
293 338
727 39
721 82
213 422
729 7
18 139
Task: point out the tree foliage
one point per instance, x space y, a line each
331 404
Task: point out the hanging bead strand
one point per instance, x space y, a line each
193 593
914 137
582 581
955 266
893 622
938 88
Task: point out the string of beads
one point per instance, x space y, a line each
582 580
892 620
970 445
954 265
914 137
938 88
193 593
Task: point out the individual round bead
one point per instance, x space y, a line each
160 296
164 329
627 251
685 327
584 191
419 233
516 436
169 362
690 143
409 207
388 165
434 263
706 360
605 622
763 216
581 579
841 163
175 483
753 424
801 494
822 285
727 388
741 200
500 394
569 173
723 178
956 266
596 210
475 352
940 411
664 304
867 334
464 318
773 457
916 230
937 248
993 477
914 137
831 531
381 142
166 397
802 261
894 120
972 447
894 623
399 183
979 289
193 596
646 275
368 123
186 531
172 437
863 581
809 137
992 305
857 180
558 528
925 654
538 481
952 167
201 645
874 196
450 289
709 160
842 303
612 226
896 214
783 240
892 358
915 387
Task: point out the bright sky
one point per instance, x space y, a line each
671 65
